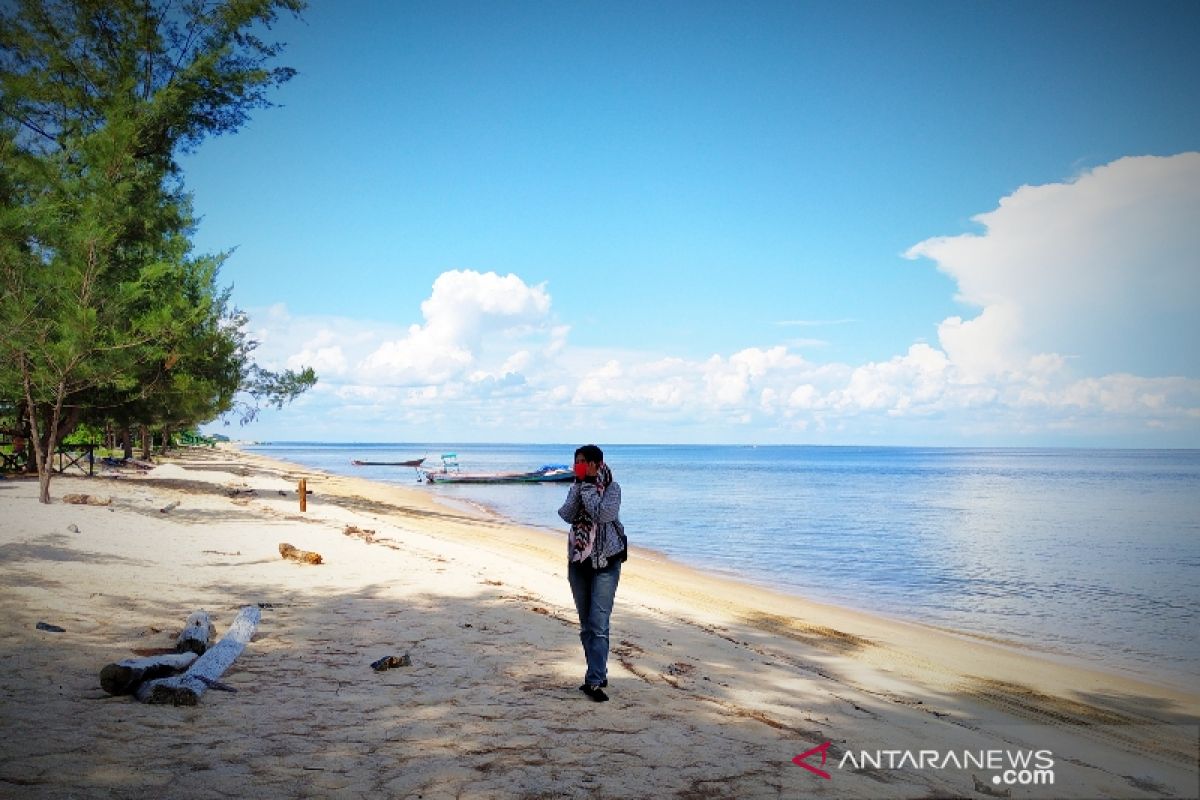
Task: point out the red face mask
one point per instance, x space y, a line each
581 470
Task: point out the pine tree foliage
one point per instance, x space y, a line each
105 313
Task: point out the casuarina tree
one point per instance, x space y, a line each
102 303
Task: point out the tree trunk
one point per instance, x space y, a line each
40 457
52 440
147 443
126 441
67 422
27 436
42 445
166 438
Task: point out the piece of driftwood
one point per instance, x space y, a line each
186 689
86 500
46 626
366 534
197 631
123 677
305 556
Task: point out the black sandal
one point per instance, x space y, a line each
595 692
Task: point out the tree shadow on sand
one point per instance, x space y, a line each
488 707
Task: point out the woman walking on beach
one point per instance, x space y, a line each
595 550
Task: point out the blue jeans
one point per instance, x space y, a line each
594 590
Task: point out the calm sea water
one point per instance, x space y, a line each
1090 554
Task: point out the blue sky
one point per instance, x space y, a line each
918 223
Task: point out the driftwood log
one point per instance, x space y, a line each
197 631
186 689
123 677
306 556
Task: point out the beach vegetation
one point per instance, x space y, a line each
106 314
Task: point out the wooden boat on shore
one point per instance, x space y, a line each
416 462
551 473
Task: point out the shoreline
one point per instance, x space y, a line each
716 685
855 620
1167 681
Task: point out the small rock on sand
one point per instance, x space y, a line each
387 662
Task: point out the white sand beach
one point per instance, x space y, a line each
716 685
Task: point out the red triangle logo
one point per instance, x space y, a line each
799 760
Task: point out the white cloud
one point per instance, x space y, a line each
806 397
918 378
986 346
466 304
465 308
517 361
558 340
325 360
602 384
417 359
1104 268
730 382
358 393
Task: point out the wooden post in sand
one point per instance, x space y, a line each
303 494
